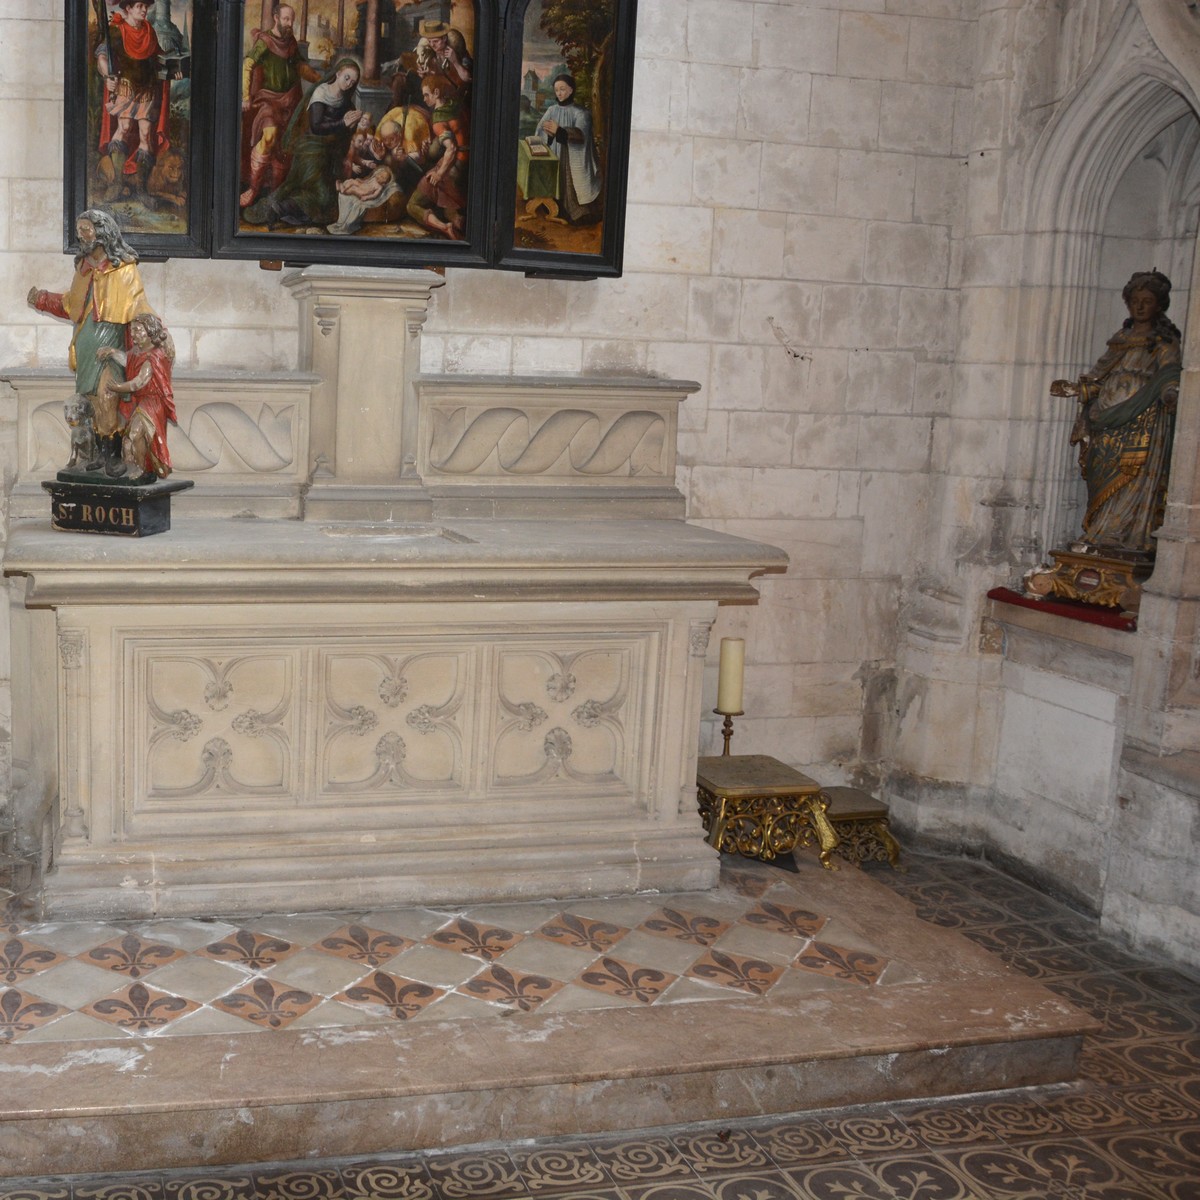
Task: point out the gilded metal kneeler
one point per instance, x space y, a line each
756 806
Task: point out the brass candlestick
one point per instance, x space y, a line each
727 727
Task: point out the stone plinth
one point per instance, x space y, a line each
944 1018
284 714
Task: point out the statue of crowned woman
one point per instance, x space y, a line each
1124 433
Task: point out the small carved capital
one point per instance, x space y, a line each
71 644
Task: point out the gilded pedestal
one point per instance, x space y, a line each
754 805
1108 580
861 824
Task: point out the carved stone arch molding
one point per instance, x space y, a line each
1126 98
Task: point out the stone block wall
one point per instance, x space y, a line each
796 182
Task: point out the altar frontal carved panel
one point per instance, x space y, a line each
395 722
220 733
218 727
562 716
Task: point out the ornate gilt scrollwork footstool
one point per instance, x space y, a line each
756 806
861 823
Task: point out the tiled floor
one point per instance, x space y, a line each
1130 1129
78 980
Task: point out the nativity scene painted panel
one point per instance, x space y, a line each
357 122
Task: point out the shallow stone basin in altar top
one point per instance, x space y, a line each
394 531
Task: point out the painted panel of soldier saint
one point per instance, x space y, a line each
356 118
138 91
565 104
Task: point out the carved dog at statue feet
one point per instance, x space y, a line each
84 450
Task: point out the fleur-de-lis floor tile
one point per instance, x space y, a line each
582 933
21 1012
783 918
131 956
480 941
854 966
402 998
267 1003
361 944
138 1008
626 980
20 959
694 928
522 991
249 950
746 974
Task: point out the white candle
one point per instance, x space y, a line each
729 678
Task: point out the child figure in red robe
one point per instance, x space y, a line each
150 404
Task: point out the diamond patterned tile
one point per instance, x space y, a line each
73 1027
319 973
184 933
250 950
139 1008
752 975
499 985
399 997
76 936
362 944
662 953
301 929
480 941
855 966
199 978
758 942
783 918
582 933
74 984
268 1003
21 1012
131 955
427 964
21 959
625 980
694 928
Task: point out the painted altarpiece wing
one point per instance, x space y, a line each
133 143
568 79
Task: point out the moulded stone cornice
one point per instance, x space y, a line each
201 561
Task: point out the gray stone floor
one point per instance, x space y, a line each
1129 1129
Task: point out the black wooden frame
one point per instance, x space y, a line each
552 263
80 192
215 165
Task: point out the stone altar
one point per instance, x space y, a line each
448 644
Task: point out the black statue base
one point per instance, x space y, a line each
122 508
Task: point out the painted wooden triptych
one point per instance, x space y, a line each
475 133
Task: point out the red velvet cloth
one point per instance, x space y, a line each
1076 610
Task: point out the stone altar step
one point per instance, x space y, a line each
774 993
